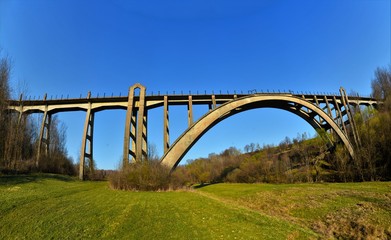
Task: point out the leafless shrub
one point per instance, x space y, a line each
143 176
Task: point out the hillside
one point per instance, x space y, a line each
297 160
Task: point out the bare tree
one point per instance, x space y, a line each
5 69
381 84
57 160
152 154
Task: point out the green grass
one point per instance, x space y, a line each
57 207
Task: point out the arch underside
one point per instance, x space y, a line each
308 111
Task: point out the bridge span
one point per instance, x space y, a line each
332 113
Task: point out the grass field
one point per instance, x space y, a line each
57 207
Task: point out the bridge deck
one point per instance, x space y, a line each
152 101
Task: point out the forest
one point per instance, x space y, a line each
20 134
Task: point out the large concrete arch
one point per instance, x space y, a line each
299 106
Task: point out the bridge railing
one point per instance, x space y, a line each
182 93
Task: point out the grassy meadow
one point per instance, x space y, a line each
58 207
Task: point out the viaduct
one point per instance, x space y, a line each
331 113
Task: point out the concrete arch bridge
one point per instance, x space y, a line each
331 113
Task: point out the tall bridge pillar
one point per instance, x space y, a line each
345 102
87 142
190 111
166 129
135 139
44 136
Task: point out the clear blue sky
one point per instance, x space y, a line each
71 47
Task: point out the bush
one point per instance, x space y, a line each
143 176
98 174
57 163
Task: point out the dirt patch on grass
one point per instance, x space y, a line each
352 223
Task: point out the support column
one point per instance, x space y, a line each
20 109
339 115
317 104
44 136
135 126
329 112
140 139
20 114
345 102
190 111
328 106
87 142
307 110
213 105
166 129
145 138
130 129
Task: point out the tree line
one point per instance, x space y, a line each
19 137
374 128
